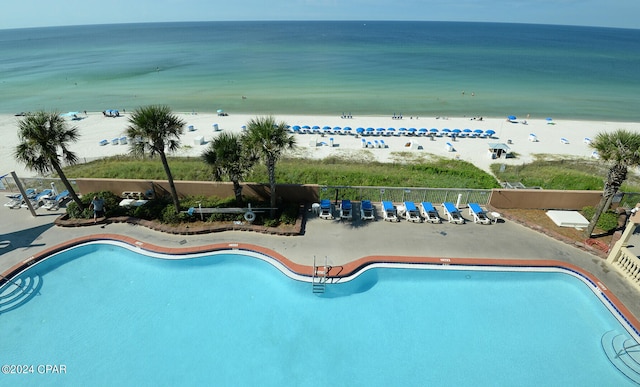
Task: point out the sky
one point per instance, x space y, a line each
45 13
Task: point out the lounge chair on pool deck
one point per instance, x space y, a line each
452 212
346 209
390 212
325 209
411 212
479 215
429 213
39 199
366 210
15 201
53 203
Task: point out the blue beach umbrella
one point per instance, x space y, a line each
391 129
296 128
446 130
359 130
337 128
316 127
326 128
478 131
306 127
370 130
402 130
412 130
433 130
422 130
457 131
489 132
512 118
549 119
346 128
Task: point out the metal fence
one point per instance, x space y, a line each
39 183
434 195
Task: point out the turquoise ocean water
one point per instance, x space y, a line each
376 68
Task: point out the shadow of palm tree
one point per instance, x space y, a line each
22 239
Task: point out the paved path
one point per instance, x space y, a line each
22 235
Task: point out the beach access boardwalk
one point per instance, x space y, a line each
340 242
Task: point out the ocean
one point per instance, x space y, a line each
326 67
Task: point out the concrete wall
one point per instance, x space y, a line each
309 193
544 199
286 192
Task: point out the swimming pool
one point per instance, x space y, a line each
113 316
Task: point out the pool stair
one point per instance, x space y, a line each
16 293
624 353
319 276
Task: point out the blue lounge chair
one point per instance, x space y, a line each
346 210
53 203
17 200
452 212
411 212
479 215
429 213
325 209
389 211
38 200
366 210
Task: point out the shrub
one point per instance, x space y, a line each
608 220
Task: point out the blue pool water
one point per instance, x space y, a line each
114 317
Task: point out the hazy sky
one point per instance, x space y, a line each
40 13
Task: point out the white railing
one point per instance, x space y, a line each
629 265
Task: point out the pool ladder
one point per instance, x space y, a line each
319 277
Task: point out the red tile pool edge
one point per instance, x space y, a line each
335 271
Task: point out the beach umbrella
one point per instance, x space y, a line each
306 127
381 130
489 132
347 128
296 128
467 130
457 131
512 118
391 129
422 130
478 131
412 130
433 130
446 130
337 128
360 130
370 130
326 128
549 119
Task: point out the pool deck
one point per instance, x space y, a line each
343 243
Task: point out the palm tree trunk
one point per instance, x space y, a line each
172 186
237 190
271 168
68 186
602 206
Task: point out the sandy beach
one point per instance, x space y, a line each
94 127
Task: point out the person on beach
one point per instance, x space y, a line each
97 204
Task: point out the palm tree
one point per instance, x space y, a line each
268 140
41 135
227 156
155 129
622 148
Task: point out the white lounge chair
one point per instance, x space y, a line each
411 212
533 137
366 210
15 201
38 200
346 209
479 215
429 213
325 209
389 211
53 203
452 212
564 140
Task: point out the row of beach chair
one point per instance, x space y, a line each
408 210
47 199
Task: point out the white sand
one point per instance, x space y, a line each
94 127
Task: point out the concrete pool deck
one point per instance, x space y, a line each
22 236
